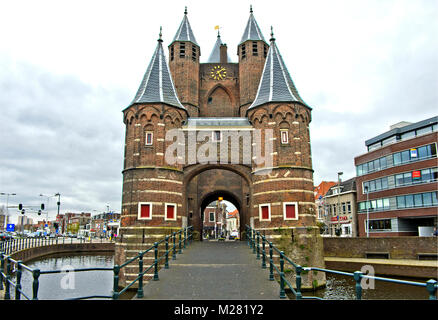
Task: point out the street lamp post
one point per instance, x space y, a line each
368 213
7 204
339 201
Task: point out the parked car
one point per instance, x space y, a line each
5 236
234 235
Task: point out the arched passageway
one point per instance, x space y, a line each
206 183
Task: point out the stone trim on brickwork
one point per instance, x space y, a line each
260 211
282 167
278 191
139 217
154 167
282 179
296 210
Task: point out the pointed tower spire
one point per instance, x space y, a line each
215 55
252 30
276 84
184 32
157 85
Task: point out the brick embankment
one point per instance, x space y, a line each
387 267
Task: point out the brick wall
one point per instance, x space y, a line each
397 247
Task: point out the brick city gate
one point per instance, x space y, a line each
195 129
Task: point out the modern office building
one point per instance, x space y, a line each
397 181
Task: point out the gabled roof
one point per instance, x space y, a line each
346 186
184 32
232 214
157 85
252 30
276 84
215 55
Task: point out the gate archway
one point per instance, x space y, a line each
204 183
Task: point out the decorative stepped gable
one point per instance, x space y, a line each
252 31
276 84
184 32
157 85
215 55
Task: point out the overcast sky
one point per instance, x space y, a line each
68 69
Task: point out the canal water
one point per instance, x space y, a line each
89 283
60 286
340 287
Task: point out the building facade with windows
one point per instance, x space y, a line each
339 206
320 191
397 180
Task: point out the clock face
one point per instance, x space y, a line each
218 73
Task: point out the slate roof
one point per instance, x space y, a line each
276 84
346 186
215 55
184 32
157 84
252 30
399 131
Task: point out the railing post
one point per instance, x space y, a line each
156 261
174 247
258 246
298 270
2 269
116 271
185 237
35 284
282 292
140 279
431 287
179 245
253 242
247 236
271 263
8 278
18 284
166 263
358 278
263 253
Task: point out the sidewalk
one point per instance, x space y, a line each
211 270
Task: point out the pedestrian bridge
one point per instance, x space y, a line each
214 270
242 270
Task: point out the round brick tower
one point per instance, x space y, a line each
152 189
252 51
283 206
184 54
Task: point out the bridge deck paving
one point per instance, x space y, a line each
212 270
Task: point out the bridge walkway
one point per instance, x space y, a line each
214 270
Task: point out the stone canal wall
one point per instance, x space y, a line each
394 247
37 252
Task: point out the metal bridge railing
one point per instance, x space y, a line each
13 245
254 237
13 266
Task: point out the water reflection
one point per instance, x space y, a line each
71 285
341 287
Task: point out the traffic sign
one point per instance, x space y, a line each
10 227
